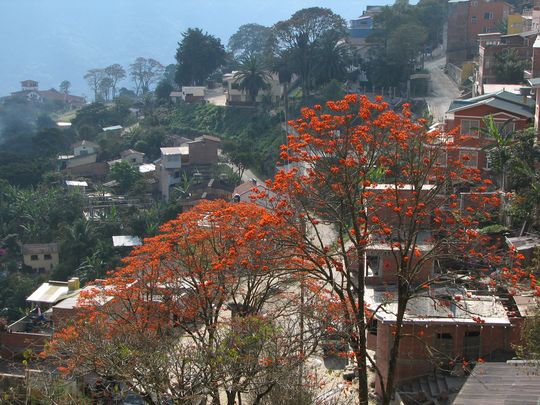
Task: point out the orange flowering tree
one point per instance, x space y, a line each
362 178
209 307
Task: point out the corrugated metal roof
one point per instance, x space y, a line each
147 167
75 183
49 293
126 240
38 248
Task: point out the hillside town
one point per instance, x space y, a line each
320 212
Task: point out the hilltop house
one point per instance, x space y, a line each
30 92
235 95
189 94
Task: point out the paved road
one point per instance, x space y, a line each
443 89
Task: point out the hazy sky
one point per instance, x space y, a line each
54 40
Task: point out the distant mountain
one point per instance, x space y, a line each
55 40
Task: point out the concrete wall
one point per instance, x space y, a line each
203 152
41 262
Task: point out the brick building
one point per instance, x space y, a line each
465 117
491 45
467 19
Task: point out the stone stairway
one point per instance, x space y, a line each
435 389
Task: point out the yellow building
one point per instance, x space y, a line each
41 256
515 24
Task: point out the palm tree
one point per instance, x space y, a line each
252 76
499 148
333 58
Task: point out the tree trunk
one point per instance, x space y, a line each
231 396
394 352
360 351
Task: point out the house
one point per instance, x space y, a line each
84 153
41 256
533 77
527 245
235 95
36 328
77 185
189 94
465 116
175 96
249 192
132 156
467 19
168 168
493 44
193 94
83 148
363 27
439 330
30 92
83 162
193 159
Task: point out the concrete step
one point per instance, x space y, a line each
424 383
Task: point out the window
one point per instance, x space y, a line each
473 19
372 327
48 257
475 3
507 129
469 158
486 30
488 16
469 127
34 257
372 265
444 345
471 345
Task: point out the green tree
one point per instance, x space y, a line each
509 66
395 45
163 90
115 73
333 58
93 78
250 39
126 175
65 86
145 72
252 76
530 337
198 55
105 88
499 148
298 37
432 15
